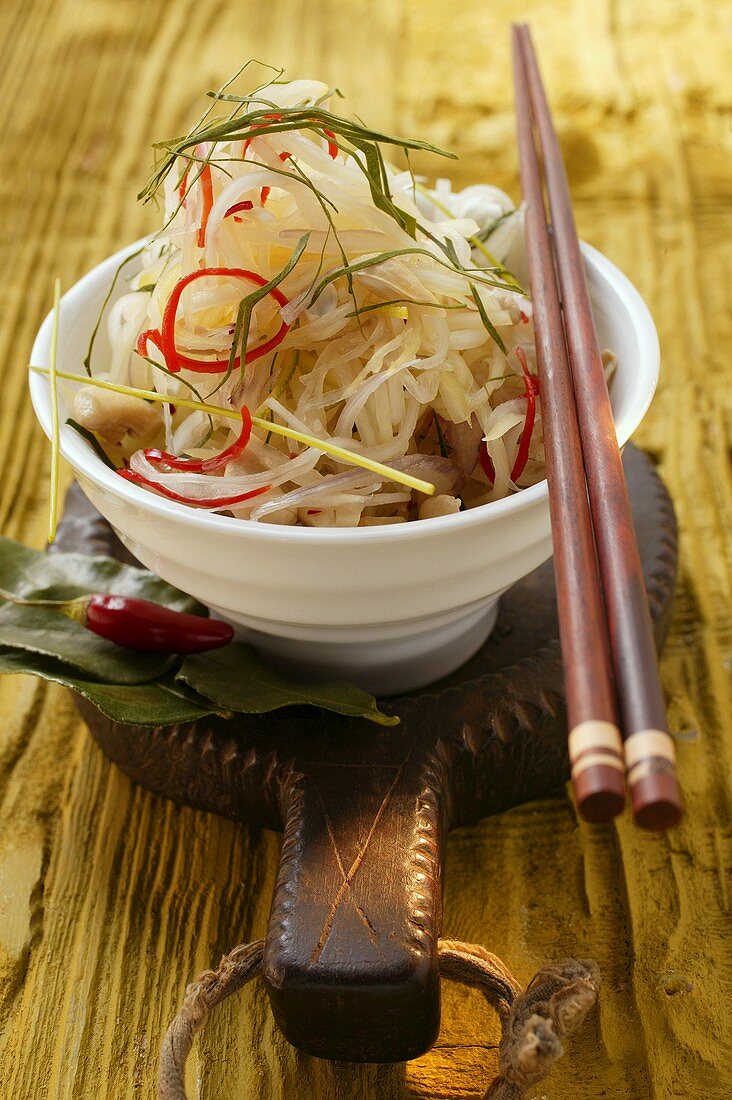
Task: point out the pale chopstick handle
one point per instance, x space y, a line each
598 767
650 762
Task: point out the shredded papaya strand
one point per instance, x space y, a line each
341 454
206 465
276 117
532 388
165 338
203 502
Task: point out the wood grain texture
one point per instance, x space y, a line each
112 899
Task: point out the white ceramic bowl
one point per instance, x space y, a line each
390 608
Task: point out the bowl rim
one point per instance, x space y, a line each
83 460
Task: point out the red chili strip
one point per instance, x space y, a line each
165 339
264 193
332 147
151 334
532 388
207 188
203 502
486 461
234 210
206 465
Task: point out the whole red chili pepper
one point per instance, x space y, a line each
138 624
194 502
151 628
206 465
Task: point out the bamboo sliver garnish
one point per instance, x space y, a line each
339 453
55 445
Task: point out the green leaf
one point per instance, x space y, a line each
140 688
153 704
238 679
487 323
44 631
471 273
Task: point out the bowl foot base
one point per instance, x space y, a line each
382 660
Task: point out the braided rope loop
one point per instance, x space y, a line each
534 1021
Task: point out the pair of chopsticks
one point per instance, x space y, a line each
610 663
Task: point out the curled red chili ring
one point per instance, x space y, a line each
206 465
531 384
164 339
194 502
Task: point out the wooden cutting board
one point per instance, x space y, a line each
350 964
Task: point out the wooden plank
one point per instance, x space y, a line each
110 899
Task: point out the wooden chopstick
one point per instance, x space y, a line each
595 744
648 748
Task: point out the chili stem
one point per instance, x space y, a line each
339 453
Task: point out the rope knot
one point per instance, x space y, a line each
553 1006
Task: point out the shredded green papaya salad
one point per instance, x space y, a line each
314 336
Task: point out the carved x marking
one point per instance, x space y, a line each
349 875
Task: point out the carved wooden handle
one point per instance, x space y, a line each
351 954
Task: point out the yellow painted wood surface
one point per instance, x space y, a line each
112 899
